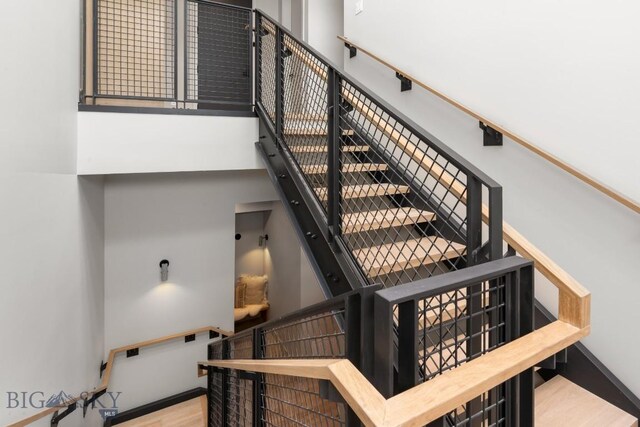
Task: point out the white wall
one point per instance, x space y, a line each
270 7
282 263
51 222
310 290
110 143
189 219
561 74
292 282
324 23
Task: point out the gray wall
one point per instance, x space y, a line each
249 256
189 219
292 282
543 71
51 222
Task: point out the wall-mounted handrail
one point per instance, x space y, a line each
430 400
603 188
104 383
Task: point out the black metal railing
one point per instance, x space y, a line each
189 54
446 321
399 202
332 329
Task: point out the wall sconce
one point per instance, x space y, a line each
164 270
262 240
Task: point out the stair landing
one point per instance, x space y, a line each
191 413
559 402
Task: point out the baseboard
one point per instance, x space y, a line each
154 406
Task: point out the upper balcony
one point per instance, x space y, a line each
182 70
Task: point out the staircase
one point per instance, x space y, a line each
387 211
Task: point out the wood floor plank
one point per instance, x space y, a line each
191 413
414 253
559 402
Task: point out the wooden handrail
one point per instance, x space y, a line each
594 183
104 384
432 399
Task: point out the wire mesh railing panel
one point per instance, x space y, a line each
218 53
266 66
317 336
419 194
240 400
452 332
240 346
446 322
294 401
305 124
457 327
215 391
135 49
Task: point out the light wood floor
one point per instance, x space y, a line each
191 413
560 403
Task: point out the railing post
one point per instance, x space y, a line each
384 346
225 384
333 151
474 321
258 382
407 345
175 52
353 342
94 54
279 95
257 54
495 223
521 318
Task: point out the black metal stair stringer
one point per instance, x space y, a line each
328 256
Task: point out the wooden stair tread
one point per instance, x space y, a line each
346 168
365 190
385 218
192 413
323 148
559 402
414 253
313 132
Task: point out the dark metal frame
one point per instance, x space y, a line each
250 54
355 321
216 105
330 222
396 344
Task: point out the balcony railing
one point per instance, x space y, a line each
181 54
